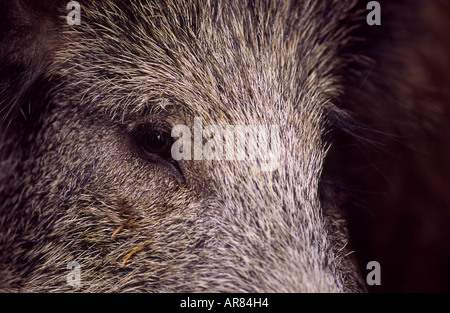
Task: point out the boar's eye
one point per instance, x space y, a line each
155 145
156 142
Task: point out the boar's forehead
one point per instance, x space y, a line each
210 58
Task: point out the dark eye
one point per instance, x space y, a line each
157 142
156 145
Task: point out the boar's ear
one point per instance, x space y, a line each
28 36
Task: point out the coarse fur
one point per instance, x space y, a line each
76 185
